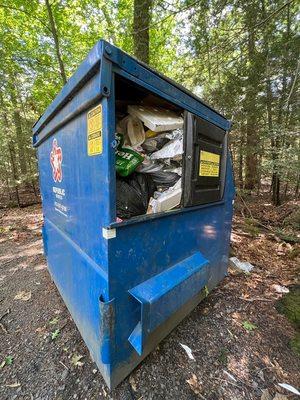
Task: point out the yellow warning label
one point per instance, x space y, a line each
209 164
94 131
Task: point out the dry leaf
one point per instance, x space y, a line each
76 360
266 395
24 296
279 396
194 384
132 383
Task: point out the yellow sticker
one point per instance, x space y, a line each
209 164
94 131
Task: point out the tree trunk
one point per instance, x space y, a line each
251 175
14 172
141 21
56 42
241 161
18 129
276 141
297 187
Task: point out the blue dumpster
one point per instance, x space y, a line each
127 283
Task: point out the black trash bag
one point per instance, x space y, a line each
133 195
164 179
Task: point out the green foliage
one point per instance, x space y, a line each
54 334
295 344
7 361
289 305
293 253
223 356
293 220
241 57
249 326
250 226
287 237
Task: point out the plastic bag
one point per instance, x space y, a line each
133 195
132 129
164 178
155 143
127 160
173 149
148 166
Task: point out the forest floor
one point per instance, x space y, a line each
240 342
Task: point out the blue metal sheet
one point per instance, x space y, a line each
128 288
164 293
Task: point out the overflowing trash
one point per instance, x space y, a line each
148 161
155 118
166 200
127 160
133 195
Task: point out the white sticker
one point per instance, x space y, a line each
109 233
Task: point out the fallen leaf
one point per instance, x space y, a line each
40 329
76 360
279 396
132 383
249 326
54 321
290 388
265 395
24 296
188 351
194 384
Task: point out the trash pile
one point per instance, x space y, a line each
148 161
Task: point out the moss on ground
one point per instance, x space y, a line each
289 305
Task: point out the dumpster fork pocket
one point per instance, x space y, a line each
162 295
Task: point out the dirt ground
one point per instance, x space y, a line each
238 339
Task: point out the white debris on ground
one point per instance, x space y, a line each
290 388
280 289
236 264
188 351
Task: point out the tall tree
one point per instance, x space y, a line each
141 22
56 42
251 13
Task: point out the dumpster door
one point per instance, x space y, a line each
205 148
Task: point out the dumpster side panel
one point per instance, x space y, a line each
77 202
156 248
76 207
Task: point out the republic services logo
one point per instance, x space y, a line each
56 158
